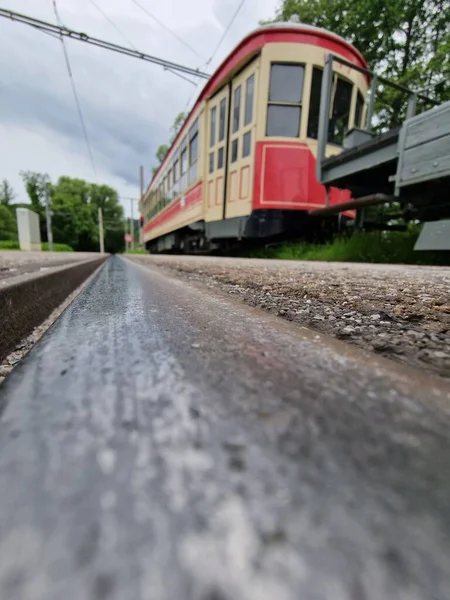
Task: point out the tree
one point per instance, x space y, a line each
178 122
7 194
8 227
35 185
161 152
406 41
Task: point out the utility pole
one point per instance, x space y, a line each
48 215
141 189
100 230
127 245
132 226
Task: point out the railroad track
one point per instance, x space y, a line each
162 441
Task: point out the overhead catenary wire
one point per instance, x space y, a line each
128 41
75 93
50 28
225 32
164 26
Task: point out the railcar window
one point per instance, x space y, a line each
283 121
359 109
211 162
212 133
249 92
246 144
222 116
234 150
286 83
220 155
193 158
341 111
183 169
176 174
314 103
285 100
236 108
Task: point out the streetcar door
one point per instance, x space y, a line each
217 130
241 144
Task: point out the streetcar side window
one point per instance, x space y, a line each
183 170
212 132
222 117
176 174
285 100
193 158
249 92
314 103
236 108
359 109
246 145
341 111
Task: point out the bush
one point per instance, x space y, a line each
14 245
9 245
373 247
57 247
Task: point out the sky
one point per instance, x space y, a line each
128 105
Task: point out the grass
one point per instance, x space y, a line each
374 247
136 251
14 245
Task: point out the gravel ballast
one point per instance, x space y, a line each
399 311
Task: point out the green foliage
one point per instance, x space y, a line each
9 245
57 247
7 194
164 148
36 185
179 120
161 152
407 41
137 251
14 245
8 227
374 247
75 204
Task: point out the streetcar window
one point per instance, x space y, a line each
234 150
283 120
223 108
170 179
193 158
341 111
285 97
211 162
247 140
249 92
359 109
184 160
175 171
286 83
212 133
314 103
220 158
236 108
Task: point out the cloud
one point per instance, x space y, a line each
128 105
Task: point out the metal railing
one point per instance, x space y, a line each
325 102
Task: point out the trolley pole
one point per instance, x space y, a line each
100 231
48 215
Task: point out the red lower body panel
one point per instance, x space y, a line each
285 178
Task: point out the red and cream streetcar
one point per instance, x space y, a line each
243 164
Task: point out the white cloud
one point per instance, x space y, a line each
128 105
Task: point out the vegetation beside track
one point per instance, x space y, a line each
14 245
372 247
